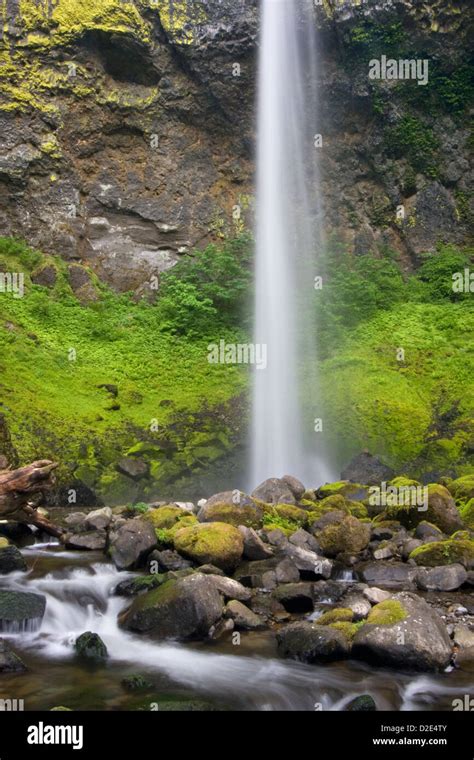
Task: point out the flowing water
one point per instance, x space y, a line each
289 242
79 591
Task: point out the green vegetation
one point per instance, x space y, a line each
387 613
445 553
337 615
410 138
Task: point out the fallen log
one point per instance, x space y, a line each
18 489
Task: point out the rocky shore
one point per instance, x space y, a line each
331 572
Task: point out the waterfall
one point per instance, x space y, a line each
288 242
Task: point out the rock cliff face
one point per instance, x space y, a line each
126 128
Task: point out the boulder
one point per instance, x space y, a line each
131 544
404 633
274 491
464 641
168 560
179 609
92 540
350 535
451 551
167 516
308 561
250 515
425 530
358 604
296 486
230 498
254 547
444 578
9 661
216 543
76 522
304 540
295 597
230 588
89 646
376 595
267 573
11 560
244 619
20 611
367 469
99 519
363 703
387 574
312 643
440 511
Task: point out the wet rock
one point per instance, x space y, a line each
181 609
11 560
312 643
363 703
359 605
9 661
387 574
463 638
275 538
136 683
267 573
328 592
426 530
131 544
89 646
295 597
221 629
367 469
268 607
386 552
216 543
254 547
417 642
274 491
451 551
296 486
18 608
445 578
168 560
133 468
210 570
244 619
408 546
93 540
330 518
308 561
99 519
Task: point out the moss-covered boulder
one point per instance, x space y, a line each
250 515
345 488
289 512
436 506
165 517
350 535
404 633
180 609
216 543
308 642
337 615
463 488
447 552
89 646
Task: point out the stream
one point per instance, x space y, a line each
79 588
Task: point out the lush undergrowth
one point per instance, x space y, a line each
396 367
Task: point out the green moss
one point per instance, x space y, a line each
164 517
337 615
467 514
216 543
463 488
348 629
250 516
403 482
444 553
387 613
414 141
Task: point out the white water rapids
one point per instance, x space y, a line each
80 598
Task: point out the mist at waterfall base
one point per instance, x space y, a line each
289 244
79 587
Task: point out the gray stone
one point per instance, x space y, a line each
442 578
387 574
9 661
131 543
296 486
359 605
419 642
367 469
274 491
312 643
168 559
133 468
89 646
93 540
244 619
230 588
295 597
99 518
254 548
11 560
376 595
18 608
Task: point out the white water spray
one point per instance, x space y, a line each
288 243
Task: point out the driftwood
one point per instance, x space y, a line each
19 490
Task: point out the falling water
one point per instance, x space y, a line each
288 243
